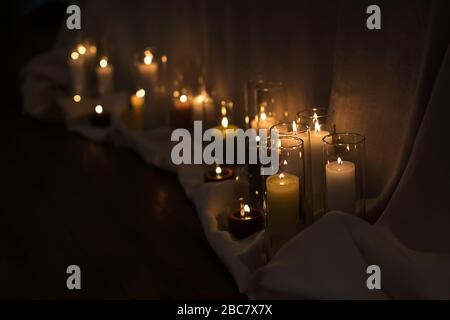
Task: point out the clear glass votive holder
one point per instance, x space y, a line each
284 193
318 122
344 171
269 104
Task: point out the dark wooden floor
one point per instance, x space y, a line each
66 200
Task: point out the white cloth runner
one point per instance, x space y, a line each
328 260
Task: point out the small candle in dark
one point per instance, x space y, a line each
219 174
100 118
244 222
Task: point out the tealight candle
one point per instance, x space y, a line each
219 174
100 117
77 72
148 70
341 188
283 204
105 76
244 222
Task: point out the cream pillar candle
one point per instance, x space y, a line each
77 73
203 109
105 77
137 102
148 71
283 203
340 184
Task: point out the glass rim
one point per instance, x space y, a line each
300 143
288 124
303 113
360 139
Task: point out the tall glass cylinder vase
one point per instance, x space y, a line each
284 193
318 122
294 129
344 188
269 104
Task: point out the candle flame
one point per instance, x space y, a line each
315 117
77 98
148 57
176 93
285 162
223 111
281 178
294 127
81 49
103 62
263 116
247 120
218 170
93 49
164 59
224 122
339 160
183 98
98 109
74 55
317 126
286 114
140 93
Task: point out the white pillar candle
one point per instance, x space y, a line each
77 73
203 109
316 147
340 183
283 203
148 71
105 77
137 101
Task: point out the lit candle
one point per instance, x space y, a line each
263 121
219 174
317 172
105 76
244 222
137 102
340 183
148 70
181 113
283 203
77 72
100 117
203 109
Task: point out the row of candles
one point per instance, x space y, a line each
283 191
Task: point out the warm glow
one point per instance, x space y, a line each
223 111
247 120
294 127
176 94
281 178
77 98
81 49
74 55
148 60
140 93
315 117
285 162
218 170
183 98
339 160
98 109
263 116
103 62
224 122
286 114
93 49
164 59
317 126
